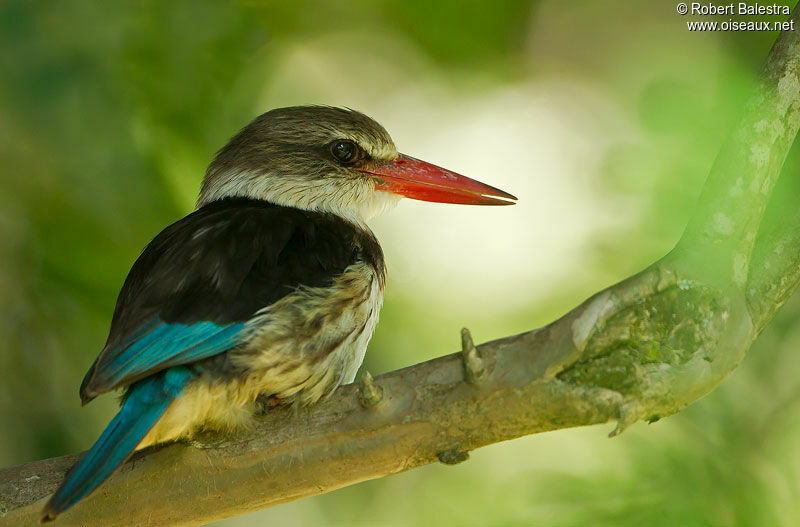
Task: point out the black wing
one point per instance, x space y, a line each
190 293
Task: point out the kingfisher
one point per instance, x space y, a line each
268 293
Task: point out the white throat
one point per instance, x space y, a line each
355 200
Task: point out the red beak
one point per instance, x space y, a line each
417 179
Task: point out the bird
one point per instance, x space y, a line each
268 291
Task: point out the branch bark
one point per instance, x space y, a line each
641 349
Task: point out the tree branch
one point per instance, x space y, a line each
641 349
736 193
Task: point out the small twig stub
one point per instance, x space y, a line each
453 457
474 365
370 394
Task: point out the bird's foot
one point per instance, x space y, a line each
265 403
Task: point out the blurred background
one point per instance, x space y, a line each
602 117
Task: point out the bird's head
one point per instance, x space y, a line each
332 160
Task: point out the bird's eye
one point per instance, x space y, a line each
345 152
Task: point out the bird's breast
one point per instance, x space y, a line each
314 339
299 349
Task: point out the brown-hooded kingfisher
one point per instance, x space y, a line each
270 288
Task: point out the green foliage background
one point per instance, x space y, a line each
109 112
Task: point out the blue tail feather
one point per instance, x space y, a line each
146 403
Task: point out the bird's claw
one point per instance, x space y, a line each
265 403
